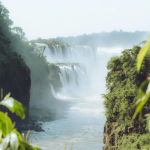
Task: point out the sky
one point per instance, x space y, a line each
53 18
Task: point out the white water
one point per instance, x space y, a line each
82 84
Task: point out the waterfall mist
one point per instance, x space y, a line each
82 70
77 76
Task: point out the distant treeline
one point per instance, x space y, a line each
107 39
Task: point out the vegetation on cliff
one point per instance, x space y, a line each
14 73
123 82
51 43
22 68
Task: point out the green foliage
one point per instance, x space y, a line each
122 83
134 142
14 106
144 91
49 42
6 125
18 31
39 51
14 73
9 136
11 141
142 54
128 85
5 22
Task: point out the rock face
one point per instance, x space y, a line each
14 75
112 133
29 124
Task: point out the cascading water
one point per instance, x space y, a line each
82 72
76 79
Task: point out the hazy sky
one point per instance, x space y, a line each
52 18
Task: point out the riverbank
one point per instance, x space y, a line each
36 120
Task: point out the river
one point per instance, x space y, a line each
82 126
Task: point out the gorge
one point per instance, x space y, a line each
80 91
77 76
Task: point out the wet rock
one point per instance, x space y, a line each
29 124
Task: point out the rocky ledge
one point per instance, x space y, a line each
112 133
29 124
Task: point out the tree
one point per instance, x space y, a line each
122 84
19 31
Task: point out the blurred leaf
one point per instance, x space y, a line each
148 121
14 106
142 54
7 96
140 114
0 134
25 145
143 88
18 135
3 124
12 139
142 43
141 104
36 148
142 91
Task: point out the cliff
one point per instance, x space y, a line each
128 137
123 81
14 74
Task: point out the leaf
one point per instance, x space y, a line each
7 96
36 148
3 124
12 139
14 106
0 134
143 88
142 91
141 104
148 122
18 135
142 54
25 145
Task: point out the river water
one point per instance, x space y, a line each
82 127
82 73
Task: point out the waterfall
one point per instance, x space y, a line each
73 80
53 92
82 70
77 74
